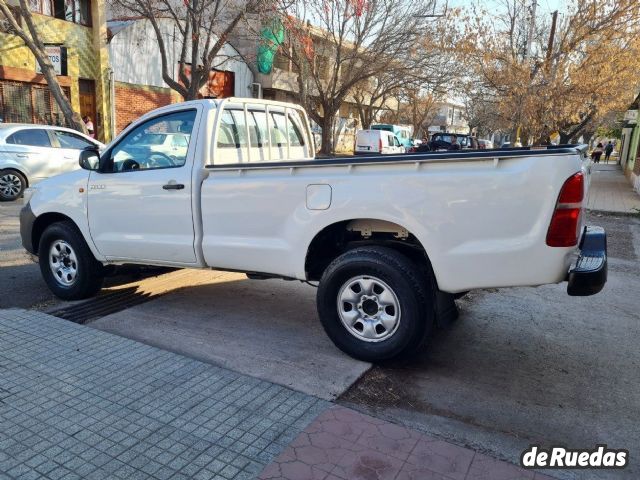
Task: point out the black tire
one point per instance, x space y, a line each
12 185
413 290
89 273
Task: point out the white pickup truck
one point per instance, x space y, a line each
391 239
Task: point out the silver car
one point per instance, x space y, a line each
30 153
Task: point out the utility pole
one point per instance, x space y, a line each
552 36
532 29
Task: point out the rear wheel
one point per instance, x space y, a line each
375 304
12 185
67 264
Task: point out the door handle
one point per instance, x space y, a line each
173 186
22 155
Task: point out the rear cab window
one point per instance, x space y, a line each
260 133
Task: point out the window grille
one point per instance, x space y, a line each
22 102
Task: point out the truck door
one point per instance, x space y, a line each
140 199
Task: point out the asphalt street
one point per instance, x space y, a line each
20 281
520 366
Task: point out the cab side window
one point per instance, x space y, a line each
145 148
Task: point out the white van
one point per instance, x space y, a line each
375 142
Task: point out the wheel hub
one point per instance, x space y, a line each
368 308
63 263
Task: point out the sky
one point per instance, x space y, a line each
545 7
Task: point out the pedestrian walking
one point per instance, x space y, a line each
607 151
89 124
596 153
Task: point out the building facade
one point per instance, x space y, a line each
281 83
449 118
74 33
630 144
137 66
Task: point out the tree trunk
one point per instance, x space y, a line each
328 126
367 120
36 46
564 138
73 119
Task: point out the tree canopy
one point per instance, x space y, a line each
565 82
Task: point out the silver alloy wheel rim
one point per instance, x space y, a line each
10 185
369 309
63 263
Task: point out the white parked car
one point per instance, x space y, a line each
30 153
372 142
390 239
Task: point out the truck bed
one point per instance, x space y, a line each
481 216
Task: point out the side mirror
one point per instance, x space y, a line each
89 159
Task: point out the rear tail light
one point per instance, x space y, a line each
565 223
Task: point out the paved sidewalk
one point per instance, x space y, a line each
611 191
80 403
342 444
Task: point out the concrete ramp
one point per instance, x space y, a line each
264 328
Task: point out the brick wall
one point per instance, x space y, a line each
132 101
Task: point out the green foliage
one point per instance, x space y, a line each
606 131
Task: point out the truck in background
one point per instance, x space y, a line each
402 132
374 142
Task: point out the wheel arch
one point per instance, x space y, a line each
341 236
43 221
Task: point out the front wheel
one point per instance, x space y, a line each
67 265
375 304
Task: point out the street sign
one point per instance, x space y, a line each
58 57
631 116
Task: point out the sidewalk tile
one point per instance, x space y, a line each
420 474
442 457
487 468
367 464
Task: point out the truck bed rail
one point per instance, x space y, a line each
407 158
